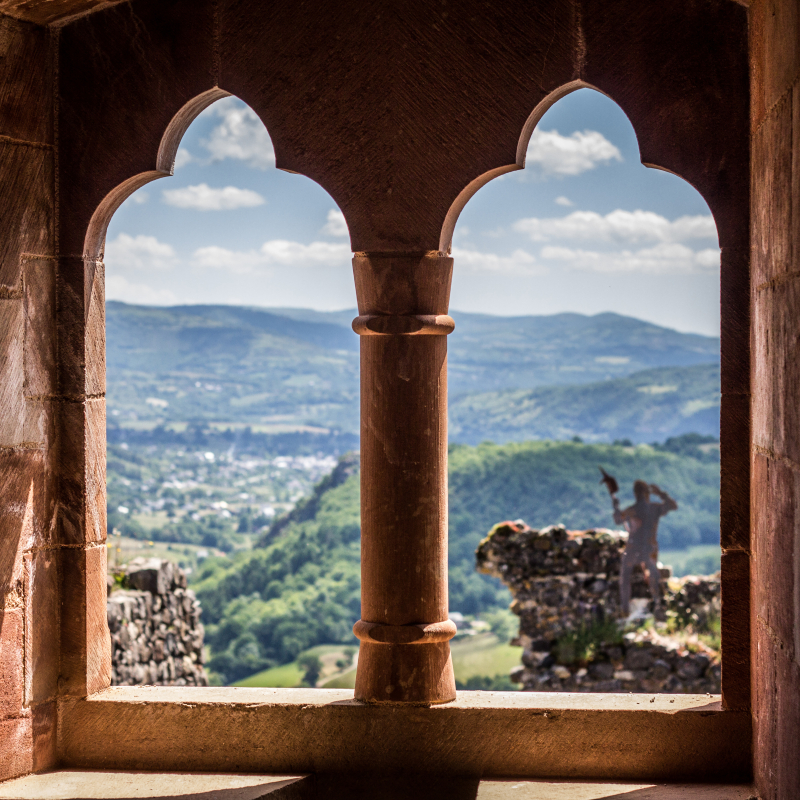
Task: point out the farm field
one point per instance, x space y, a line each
480 655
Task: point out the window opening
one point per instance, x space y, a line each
586 301
232 375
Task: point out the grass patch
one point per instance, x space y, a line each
483 655
579 646
289 676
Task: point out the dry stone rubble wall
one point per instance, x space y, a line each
156 633
565 585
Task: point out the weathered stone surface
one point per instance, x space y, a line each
26 81
776 374
735 627
39 277
734 510
772 196
156 633
85 641
119 785
26 224
82 471
12 667
500 734
45 754
41 626
26 510
16 747
781 43
12 372
81 327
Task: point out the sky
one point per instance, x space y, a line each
583 228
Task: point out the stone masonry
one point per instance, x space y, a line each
565 586
156 633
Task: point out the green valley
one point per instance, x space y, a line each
266 606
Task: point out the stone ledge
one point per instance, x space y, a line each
661 738
119 785
67 784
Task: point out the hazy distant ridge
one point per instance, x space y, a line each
283 369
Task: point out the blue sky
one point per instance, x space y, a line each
585 227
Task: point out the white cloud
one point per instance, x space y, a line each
204 198
140 197
139 253
336 225
118 288
564 201
241 135
275 252
664 258
519 262
182 158
618 226
552 154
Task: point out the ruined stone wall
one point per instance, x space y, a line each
565 586
156 633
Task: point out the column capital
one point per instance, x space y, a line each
403 284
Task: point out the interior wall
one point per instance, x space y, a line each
28 558
775 61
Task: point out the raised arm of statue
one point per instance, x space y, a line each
667 504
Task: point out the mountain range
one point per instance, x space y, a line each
600 377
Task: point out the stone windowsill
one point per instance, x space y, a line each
498 734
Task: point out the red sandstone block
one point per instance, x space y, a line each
96 508
85 640
81 327
20 514
82 472
781 21
40 326
45 755
41 626
26 81
772 195
26 507
776 717
735 471
736 649
12 374
776 377
12 669
735 319
16 747
777 547
26 224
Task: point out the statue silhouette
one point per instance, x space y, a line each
641 522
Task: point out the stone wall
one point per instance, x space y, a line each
565 586
156 633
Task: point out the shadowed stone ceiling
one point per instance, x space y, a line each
45 12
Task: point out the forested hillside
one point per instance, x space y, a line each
651 405
294 370
265 606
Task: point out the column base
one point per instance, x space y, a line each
406 673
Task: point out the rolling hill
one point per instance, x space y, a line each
280 370
651 405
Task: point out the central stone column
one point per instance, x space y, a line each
404 630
